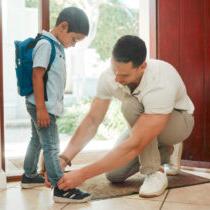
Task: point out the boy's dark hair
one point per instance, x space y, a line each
130 48
76 18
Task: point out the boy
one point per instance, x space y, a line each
71 26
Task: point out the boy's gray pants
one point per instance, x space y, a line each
158 152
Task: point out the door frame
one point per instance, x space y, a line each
153 28
2 145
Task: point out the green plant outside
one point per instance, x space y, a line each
112 125
114 22
32 3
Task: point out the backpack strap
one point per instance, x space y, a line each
52 58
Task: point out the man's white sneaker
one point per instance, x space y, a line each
170 170
173 168
154 185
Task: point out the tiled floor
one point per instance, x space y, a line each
188 198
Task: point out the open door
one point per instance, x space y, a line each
183 39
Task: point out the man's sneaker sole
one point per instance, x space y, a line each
69 200
31 185
172 172
155 194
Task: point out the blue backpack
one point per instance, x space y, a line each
24 64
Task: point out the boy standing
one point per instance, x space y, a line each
71 26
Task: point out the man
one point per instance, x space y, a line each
158 111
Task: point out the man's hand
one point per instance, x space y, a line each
43 118
71 180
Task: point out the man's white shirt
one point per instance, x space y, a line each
160 91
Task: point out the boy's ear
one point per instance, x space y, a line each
64 26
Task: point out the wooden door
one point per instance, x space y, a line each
183 39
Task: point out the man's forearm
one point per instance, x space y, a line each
144 131
116 158
87 129
84 133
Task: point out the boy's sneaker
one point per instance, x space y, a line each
27 182
70 196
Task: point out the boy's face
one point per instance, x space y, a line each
68 39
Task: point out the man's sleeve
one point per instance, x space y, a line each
103 90
160 101
41 54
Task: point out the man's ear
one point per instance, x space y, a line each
144 65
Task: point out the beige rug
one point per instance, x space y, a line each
101 188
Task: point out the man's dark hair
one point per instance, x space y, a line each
76 18
130 48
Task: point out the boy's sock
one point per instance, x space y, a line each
70 196
30 182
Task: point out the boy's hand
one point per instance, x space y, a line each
43 118
47 182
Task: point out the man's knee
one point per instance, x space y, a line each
115 177
131 109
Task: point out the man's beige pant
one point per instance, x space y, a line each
158 151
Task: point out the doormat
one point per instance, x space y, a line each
101 188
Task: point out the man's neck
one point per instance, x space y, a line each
135 84
132 87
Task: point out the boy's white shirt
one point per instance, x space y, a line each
56 75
